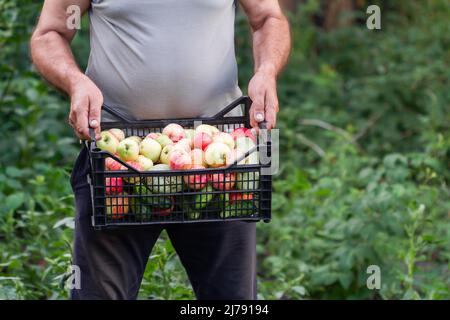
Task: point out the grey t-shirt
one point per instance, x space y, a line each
164 58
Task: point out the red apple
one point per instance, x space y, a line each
184 144
196 181
243 132
179 159
113 185
136 165
111 164
202 140
222 181
174 131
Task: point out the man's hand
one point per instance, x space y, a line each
271 46
51 54
262 89
86 101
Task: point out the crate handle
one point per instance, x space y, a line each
241 100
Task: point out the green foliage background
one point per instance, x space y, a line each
365 159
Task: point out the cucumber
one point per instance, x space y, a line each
201 200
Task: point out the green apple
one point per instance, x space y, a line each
216 154
145 162
108 142
164 140
165 154
150 148
128 149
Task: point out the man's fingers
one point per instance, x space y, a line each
257 112
95 107
271 109
79 117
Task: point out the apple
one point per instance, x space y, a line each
113 185
174 131
117 207
202 140
136 138
153 135
134 164
184 144
244 144
118 133
222 181
243 132
164 183
128 149
108 142
224 138
215 154
111 164
150 148
145 163
163 140
179 159
189 134
206 128
233 155
196 181
198 157
165 153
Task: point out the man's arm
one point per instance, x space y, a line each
271 47
52 56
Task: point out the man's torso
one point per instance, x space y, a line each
164 58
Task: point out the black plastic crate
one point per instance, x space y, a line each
179 196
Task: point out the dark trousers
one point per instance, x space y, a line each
220 258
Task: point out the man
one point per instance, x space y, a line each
160 59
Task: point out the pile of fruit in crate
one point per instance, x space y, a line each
176 148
